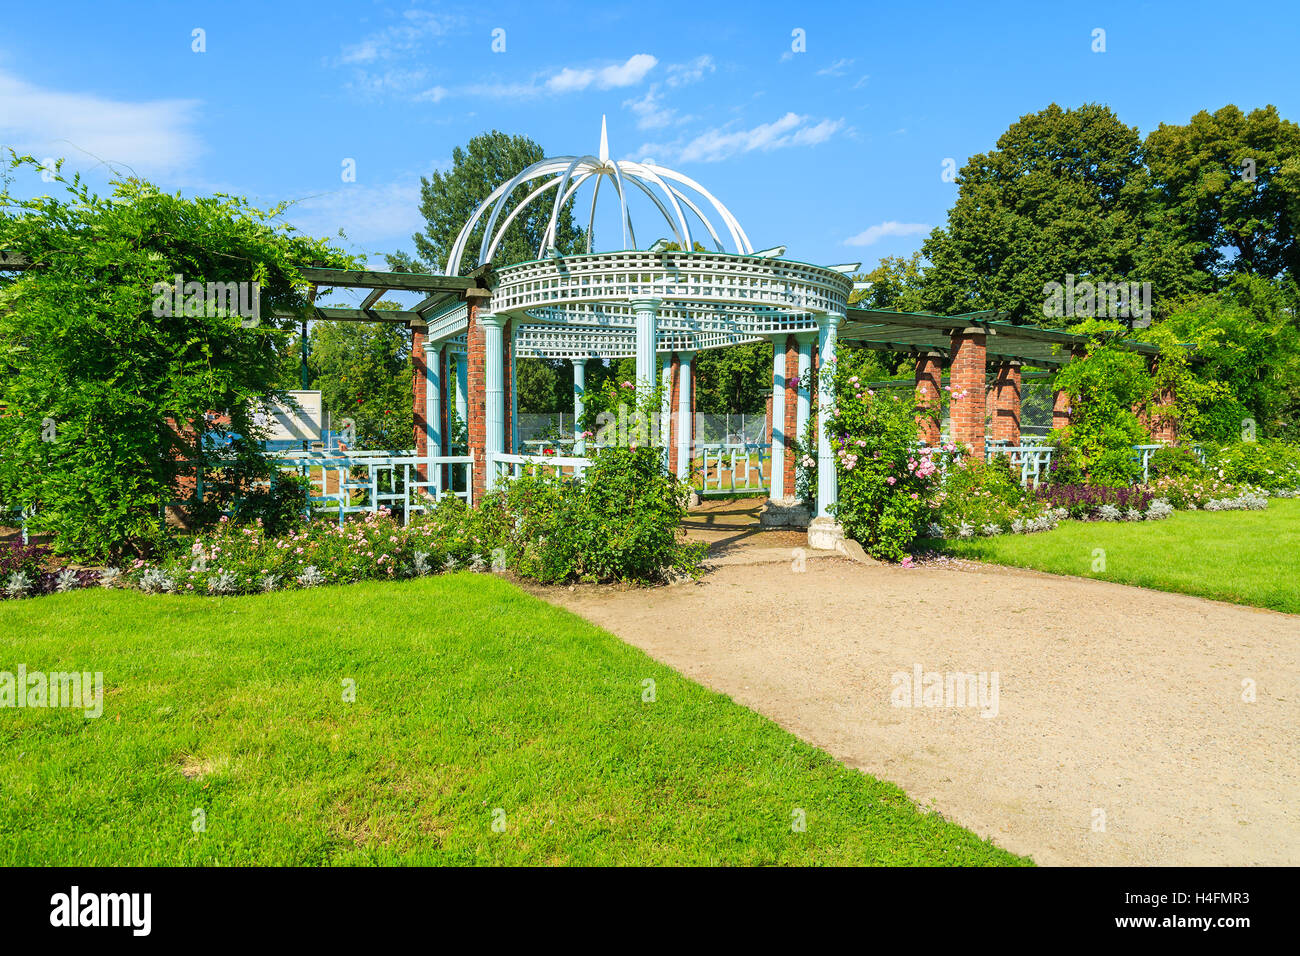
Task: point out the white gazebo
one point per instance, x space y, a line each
659 304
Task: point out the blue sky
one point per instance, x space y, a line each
836 151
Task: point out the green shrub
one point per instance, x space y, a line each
1175 460
621 522
980 496
1115 468
1271 465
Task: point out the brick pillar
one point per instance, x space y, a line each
674 392
1006 403
419 390
1060 409
476 410
767 417
791 426
1160 418
929 379
968 404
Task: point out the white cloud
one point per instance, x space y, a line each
682 74
151 137
874 234
416 27
838 68
650 111
571 80
364 213
791 129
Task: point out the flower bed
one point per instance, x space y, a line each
986 498
32 570
621 523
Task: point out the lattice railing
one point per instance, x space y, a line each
682 277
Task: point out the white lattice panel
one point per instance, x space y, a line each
448 324
683 281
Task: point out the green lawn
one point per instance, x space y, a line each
1247 557
470 696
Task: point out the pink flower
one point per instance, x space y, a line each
891 479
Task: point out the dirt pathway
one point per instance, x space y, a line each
1115 706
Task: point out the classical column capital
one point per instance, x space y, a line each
492 319
829 320
647 304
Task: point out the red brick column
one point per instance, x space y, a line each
1160 417
674 393
1006 403
475 401
767 417
929 379
419 387
1060 409
968 404
791 411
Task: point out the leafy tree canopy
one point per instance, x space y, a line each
1232 182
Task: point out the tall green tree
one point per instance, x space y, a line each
1064 193
1232 183
447 200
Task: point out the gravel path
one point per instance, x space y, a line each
1120 736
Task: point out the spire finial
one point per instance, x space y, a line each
604 141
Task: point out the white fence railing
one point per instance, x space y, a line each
514 466
401 482
728 468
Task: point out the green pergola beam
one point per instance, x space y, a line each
388 281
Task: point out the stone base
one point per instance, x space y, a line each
784 513
825 534
695 499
